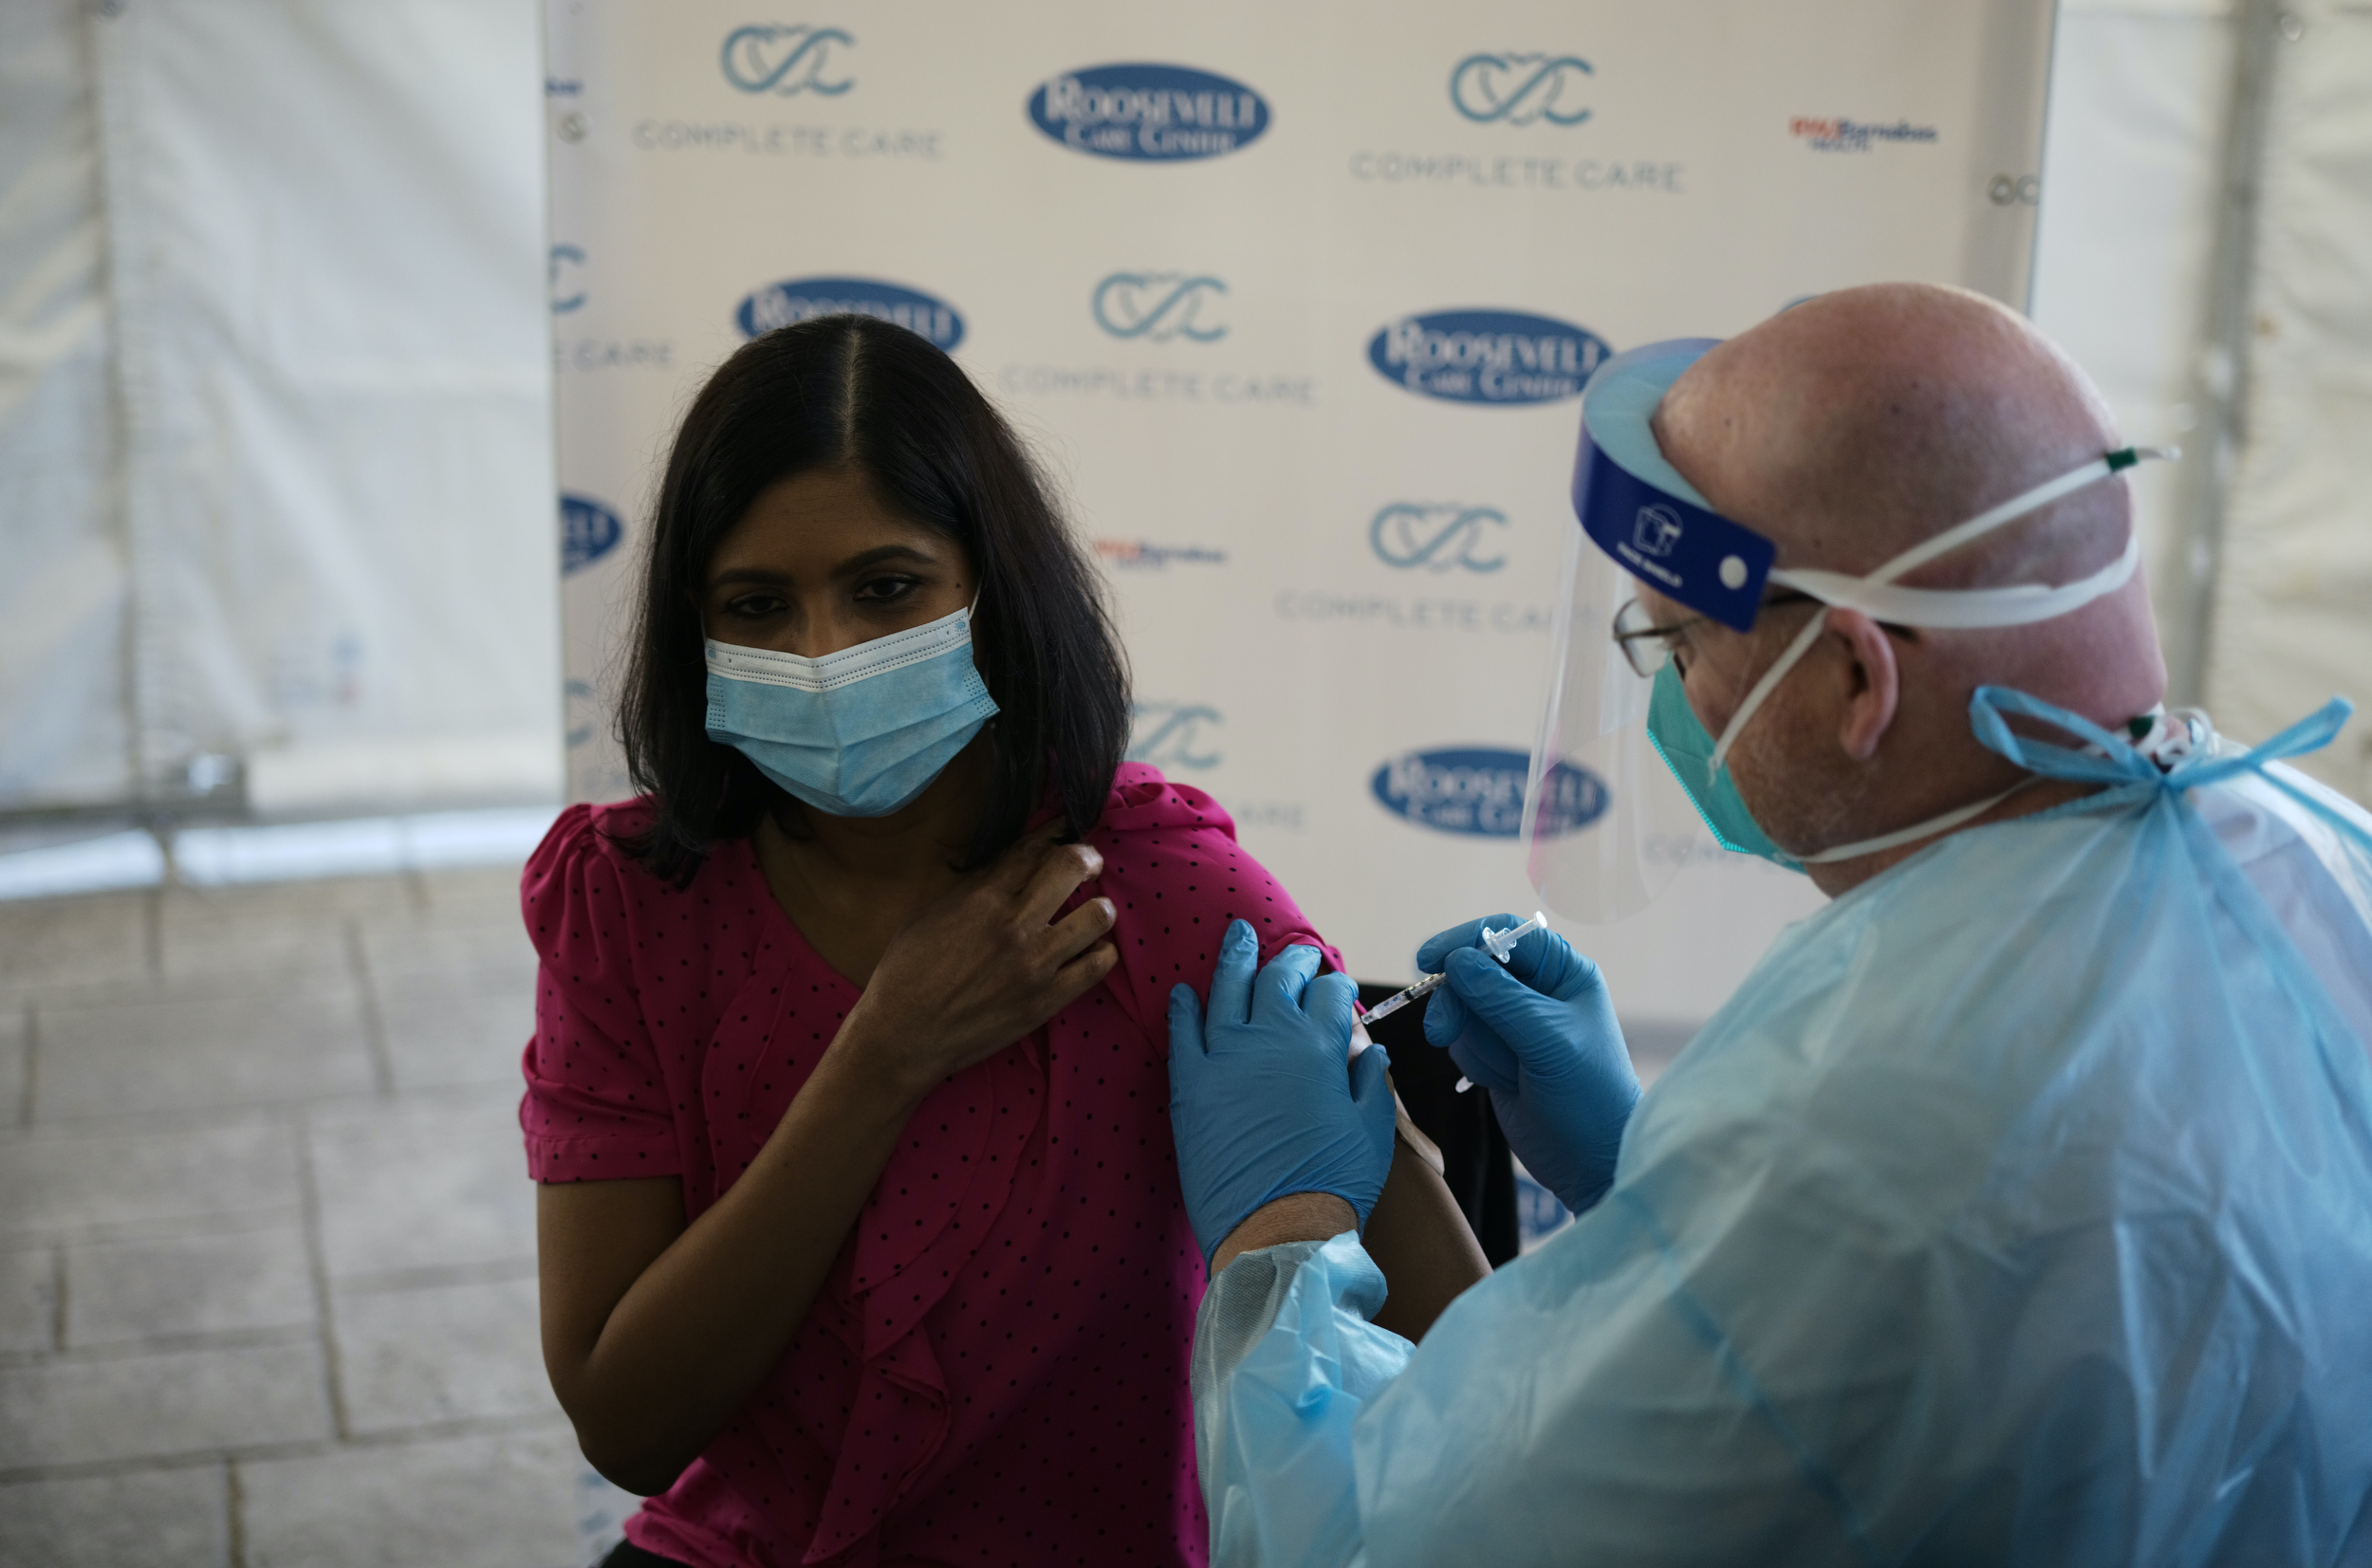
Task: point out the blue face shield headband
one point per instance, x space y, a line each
856 733
1639 510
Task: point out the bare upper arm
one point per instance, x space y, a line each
593 1240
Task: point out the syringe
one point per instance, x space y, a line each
1497 943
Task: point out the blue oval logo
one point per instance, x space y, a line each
1479 790
1501 357
804 298
588 531
1152 113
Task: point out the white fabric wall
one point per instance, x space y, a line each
2138 99
65 710
275 474
2140 93
2293 607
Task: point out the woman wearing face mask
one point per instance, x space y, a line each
860 1226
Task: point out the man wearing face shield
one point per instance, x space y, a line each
2018 1207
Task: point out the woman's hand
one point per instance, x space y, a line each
983 966
654 1332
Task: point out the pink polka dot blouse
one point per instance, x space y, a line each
995 1371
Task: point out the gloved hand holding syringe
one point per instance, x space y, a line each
1497 943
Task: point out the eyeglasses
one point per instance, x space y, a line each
1650 647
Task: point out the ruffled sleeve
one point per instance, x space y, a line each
597 1105
1177 876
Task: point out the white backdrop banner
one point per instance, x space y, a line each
1298 313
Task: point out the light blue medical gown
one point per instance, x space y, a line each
2017 1209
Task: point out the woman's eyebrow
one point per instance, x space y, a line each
882 555
763 575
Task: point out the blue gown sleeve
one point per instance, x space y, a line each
1285 1359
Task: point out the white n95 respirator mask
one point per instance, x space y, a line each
856 733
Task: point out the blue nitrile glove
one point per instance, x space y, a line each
1259 1101
1539 1033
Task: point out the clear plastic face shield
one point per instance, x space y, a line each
1626 787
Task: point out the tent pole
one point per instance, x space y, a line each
2222 377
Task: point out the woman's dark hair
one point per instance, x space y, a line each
854 391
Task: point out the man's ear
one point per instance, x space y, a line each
1874 682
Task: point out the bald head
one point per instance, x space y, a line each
1847 430
1859 423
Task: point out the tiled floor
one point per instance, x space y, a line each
266 1240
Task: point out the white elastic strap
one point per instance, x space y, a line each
1762 687
1987 521
1947 609
1928 829
1964 609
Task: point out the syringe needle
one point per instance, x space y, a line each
1398 999
1496 943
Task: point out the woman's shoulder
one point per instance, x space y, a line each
590 841
586 880
1176 877
1145 807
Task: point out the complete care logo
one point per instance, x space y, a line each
1173 734
1158 306
784 60
1439 538
1520 89
1487 356
804 298
1157 114
1479 790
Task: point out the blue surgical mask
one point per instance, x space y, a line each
1686 750
856 733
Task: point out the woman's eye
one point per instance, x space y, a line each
886 590
755 606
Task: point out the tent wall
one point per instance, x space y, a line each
275 474
274 418
2292 617
2143 100
66 732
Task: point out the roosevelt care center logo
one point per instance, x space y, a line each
1479 790
804 298
589 529
1495 356
1149 113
